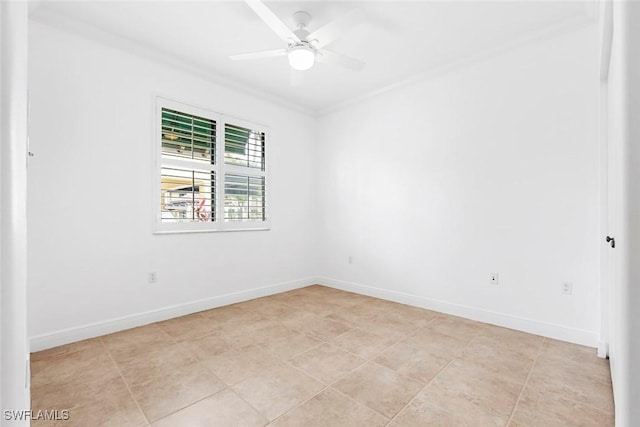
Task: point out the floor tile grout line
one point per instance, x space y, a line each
375 355
416 331
406 405
325 341
237 393
359 403
226 387
291 365
588 406
293 408
398 340
115 364
371 360
328 301
454 358
327 385
328 342
321 341
198 361
526 381
315 346
156 324
405 337
420 391
286 362
330 386
336 380
302 331
342 308
103 350
366 360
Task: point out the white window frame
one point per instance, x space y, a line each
220 169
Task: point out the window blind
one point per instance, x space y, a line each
244 198
188 136
244 147
187 195
206 184
187 178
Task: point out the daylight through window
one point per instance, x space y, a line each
192 195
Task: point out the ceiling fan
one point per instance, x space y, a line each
304 48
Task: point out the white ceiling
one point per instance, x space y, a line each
398 40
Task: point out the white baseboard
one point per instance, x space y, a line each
66 336
550 330
603 350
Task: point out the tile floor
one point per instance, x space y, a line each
322 357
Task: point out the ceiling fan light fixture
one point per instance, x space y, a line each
301 57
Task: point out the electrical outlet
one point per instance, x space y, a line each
567 288
493 278
153 277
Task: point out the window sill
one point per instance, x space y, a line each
223 230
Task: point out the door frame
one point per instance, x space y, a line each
605 23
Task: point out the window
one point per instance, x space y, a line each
211 171
244 189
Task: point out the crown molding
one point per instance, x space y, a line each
586 19
62 22
46 16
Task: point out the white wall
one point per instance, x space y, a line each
624 134
489 168
430 187
90 222
14 355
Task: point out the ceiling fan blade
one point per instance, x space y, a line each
272 21
295 77
334 29
333 58
259 55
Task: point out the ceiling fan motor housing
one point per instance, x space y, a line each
301 54
301 19
303 46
